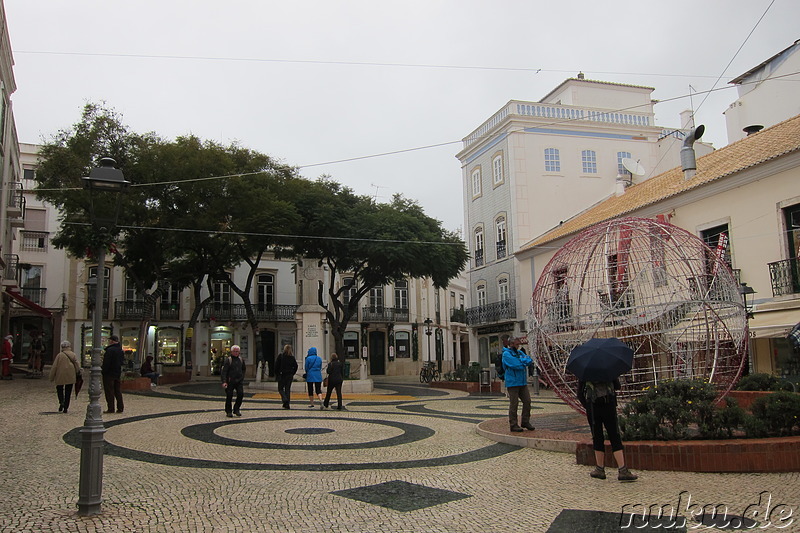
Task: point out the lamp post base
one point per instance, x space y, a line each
90 496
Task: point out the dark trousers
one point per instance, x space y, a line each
239 387
331 387
515 395
64 393
113 390
602 414
285 389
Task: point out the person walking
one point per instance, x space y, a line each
335 371
600 401
36 352
6 357
232 373
313 375
515 366
285 369
113 361
63 374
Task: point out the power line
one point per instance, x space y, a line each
534 70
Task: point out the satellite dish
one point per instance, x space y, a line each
633 166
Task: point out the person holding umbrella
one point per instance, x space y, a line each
515 364
598 364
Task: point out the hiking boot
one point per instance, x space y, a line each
626 475
598 473
517 429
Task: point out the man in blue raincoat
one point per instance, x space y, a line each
515 364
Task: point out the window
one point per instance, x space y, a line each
402 344
34 241
31 284
376 299
620 167
350 340
170 302
481 293
106 283
28 174
476 182
461 301
478 246
502 289
222 295
168 346
589 161
350 290
552 160
131 294
265 292
714 240
497 169
500 227
401 294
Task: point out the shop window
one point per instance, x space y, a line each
168 346
402 341
350 340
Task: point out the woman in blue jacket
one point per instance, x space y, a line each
313 367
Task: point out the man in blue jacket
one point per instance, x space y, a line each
515 364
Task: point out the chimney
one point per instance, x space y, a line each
688 158
580 75
623 182
753 128
687 119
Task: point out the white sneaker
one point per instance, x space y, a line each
153 385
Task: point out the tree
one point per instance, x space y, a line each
374 244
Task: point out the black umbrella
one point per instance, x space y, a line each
600 359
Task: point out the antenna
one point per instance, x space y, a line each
633 167
375 197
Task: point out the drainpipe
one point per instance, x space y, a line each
688 158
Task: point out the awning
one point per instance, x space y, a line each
774 323
36 308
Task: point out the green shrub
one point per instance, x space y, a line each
673 409
761 382
776 414
464 373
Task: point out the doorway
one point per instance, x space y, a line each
268 350
377 362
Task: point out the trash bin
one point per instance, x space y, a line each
485 377
346 369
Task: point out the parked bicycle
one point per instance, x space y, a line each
429 373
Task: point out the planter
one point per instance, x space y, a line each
466 386
135 384
745 398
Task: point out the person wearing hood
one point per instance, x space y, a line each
515 364
313 375
63 374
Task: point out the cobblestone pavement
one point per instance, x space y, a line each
405 459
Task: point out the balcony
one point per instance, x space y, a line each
16 205
384 314
36 295
490 313
501 249
458 315
478 258
267 313
10 271
785 277
135 310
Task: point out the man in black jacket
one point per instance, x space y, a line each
285 369
233 378
113 360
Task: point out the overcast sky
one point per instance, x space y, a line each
309 82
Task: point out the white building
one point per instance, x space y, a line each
767 94
533 164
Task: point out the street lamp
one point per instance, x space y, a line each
429 332
104 184
745 290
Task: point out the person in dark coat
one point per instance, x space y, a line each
600 402
147 371
335 371
113 361
285 369
233 379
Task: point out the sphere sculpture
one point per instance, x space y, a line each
653 285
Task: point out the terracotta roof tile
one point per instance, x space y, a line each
770 143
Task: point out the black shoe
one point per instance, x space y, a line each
64 411
517 429
60 408
120 410
229 415
285 406
108 412
237 413
528 426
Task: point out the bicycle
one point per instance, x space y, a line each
429 373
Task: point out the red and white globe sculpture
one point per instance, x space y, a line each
655 286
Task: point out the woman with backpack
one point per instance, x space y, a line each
600 401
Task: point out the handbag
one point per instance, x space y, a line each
325 382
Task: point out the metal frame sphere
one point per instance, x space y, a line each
655 286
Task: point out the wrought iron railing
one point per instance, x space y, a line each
458 315
501 249
129 309
494 312
785 276
34 241
478 258
169 311
36 295
384 314
12 262
271 313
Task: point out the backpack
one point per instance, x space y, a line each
498 366
599 391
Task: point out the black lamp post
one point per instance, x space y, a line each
104 184
429 332
745 290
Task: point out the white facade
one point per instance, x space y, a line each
767 94
532 165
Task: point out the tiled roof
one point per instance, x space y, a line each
768 144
